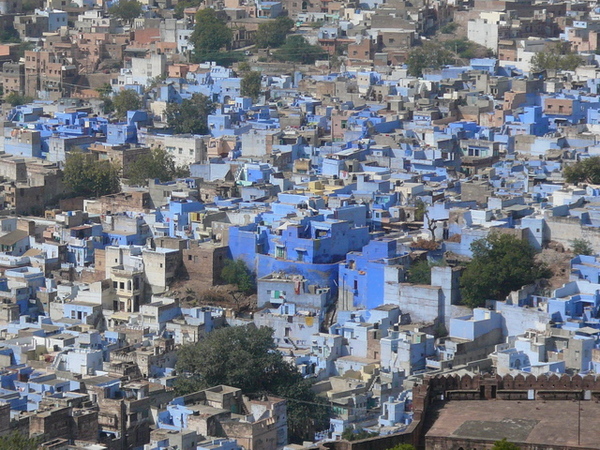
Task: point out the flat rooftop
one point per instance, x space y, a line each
553 422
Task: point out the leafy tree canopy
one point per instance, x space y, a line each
582 247
587 170
157 163
501 264
29 6
505 445
350 434
431 55
463 47
449 28
182 5
126 100
297 49
243 68
272 34
420 271
18 441
236 272
559 57
190 116
126 10
403 447
246 357
105 89
251 84
421 209
210 34
243 357
16 99
9 35
86 176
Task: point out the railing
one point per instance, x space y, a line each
433 363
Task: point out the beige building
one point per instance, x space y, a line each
160 267
185 149
124 267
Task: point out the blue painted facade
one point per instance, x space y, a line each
363 273
312 248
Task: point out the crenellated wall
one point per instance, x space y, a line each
477 387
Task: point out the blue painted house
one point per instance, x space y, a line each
363 276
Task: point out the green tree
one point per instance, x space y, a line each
157 163
558 57
297 49
210 34
18 441
16 99
104 90
272 34
23 47
582 247
420 271
431 55
421 209
587 170
250 85
501 264
190 116
182 5
29 6
126 10
243 68
449 28
246 357
462 47
107 105
237 273
9 35
403 447
505 445
155 82
87 176
350 434
126 100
